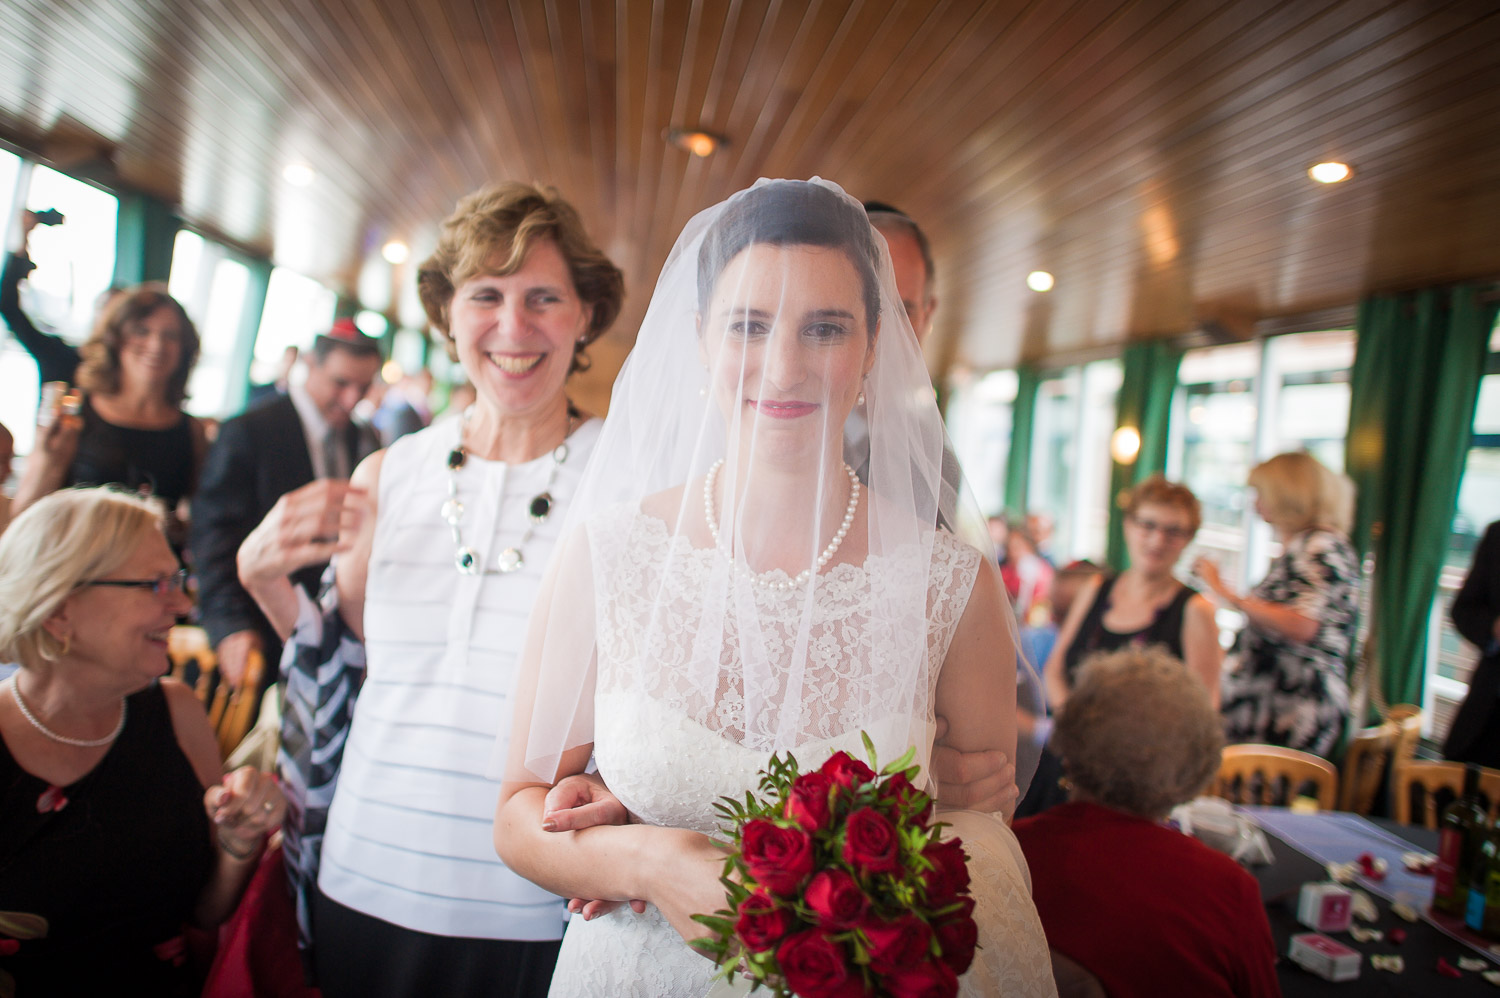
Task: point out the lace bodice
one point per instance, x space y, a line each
670 748
807 667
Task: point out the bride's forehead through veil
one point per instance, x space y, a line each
755 545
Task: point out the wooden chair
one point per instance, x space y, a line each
230 713
1437 784
1365 759
1408 719
1270 774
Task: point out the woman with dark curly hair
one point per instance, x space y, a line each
1138 736
130 429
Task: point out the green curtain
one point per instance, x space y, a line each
145 232
237 390
1415 382
1022 422
1144 402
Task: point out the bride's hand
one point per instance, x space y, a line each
684 880
973 781
583 801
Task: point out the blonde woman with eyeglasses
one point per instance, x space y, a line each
1286 684
117 825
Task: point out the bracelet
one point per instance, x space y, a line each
235 853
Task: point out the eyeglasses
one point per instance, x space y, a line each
1171 533
163 585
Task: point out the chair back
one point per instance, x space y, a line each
238 711
188 646
1073 979
1424 789
1270 774
1408 720
1365 760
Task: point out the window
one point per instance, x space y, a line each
980 413
1070 464
75 264
297 309
1239 404
212 286
1450 659
75 261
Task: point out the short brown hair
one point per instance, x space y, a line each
1138 732
99 365
506 220
1157 491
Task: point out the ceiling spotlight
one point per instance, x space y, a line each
298 174
698 143
395 251
1330 173
1039 280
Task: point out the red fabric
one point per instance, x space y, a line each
1148 910
257 955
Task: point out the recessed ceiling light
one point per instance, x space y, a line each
1039 280
699 143
298 174
1330 172
395 251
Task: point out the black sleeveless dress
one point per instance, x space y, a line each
115 863
1165 629
156 462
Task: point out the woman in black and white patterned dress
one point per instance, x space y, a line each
1286 682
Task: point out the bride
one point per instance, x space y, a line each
733 589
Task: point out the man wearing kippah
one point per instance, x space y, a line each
278 445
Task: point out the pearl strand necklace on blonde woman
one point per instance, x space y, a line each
15 691
710 483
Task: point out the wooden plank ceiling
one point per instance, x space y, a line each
1152 156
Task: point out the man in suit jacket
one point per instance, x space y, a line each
1475 735
260 455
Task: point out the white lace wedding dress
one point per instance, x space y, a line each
669 752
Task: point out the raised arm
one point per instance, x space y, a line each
1200 645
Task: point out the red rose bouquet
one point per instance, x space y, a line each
839 886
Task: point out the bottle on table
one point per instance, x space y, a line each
1460 831
1483 914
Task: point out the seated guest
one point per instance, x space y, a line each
1287 683
1026 573
1137 737
1145 604
1037 641
116 823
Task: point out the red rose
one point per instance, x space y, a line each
896 944
837 899
808 803
847 771
814 966
928 979
870 842
899 790
778 858
761 924
949 874
958 936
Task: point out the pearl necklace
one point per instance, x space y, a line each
512 559
710 483
15 691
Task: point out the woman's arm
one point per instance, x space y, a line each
307 526
1054 674
976 689
46 468
1280 619
1200 645
357 535
244 806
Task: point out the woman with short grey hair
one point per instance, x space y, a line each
1138 736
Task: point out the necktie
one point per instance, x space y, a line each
333 455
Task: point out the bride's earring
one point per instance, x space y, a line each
860 398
